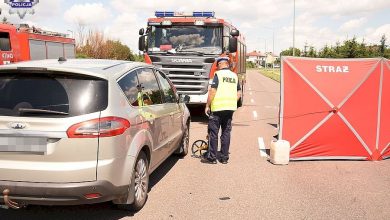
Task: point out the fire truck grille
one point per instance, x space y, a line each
183 66
188 78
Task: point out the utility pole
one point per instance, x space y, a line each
294 31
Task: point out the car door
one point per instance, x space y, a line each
175 114
153 111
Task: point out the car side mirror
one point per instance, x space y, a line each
232 44
184 99
142 43
235 33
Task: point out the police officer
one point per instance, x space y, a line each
224 92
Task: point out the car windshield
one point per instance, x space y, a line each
51 95
185 39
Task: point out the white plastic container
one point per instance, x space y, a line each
280 152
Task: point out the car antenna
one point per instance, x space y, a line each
61 59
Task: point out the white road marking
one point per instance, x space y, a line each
250 88
268 106
252 101
262 149
255 114
250 93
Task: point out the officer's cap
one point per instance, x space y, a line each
219 59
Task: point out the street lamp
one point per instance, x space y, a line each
273 38
265 44
294 31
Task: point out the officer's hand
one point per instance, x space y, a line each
207 110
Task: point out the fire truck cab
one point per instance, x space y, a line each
185 45
22 42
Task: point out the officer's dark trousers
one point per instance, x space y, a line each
223 120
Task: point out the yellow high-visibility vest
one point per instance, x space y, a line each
226 96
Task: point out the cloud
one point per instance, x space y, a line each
373 36
125 28
337 8
318 22
352 24
250 17
87 14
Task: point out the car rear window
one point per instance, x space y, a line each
51 94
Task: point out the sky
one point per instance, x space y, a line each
266 24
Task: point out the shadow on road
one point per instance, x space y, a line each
162 170
198 115
106 211
102 211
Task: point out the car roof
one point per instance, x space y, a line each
94 67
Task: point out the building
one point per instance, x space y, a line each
256 57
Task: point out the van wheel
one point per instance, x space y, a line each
140 178
182 151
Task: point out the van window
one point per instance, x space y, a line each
129 86
5 44
151 93
168 91
51 95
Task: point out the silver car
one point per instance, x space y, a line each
86 131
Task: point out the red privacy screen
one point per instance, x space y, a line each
335 108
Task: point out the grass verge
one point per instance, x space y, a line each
271 73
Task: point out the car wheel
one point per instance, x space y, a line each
140 178
182 151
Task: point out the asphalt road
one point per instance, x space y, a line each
248 187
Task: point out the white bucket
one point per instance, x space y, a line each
280 152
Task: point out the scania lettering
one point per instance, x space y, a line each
22 42
185 44
182 60
332 69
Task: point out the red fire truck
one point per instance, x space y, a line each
185 45
22 42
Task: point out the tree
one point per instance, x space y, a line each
98 46
326 52
312 52
382 46
118 51
289 52
350 48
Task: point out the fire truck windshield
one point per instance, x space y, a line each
185 39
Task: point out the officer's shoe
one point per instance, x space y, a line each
208 160
223 160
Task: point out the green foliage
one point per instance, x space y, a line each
139 58
289 52
99 47
250 65
350 48
81 56
118 51
271 73
382 46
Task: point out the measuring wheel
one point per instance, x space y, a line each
199 147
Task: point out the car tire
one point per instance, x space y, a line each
140 182
182 151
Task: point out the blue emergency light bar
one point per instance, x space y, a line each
206 14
